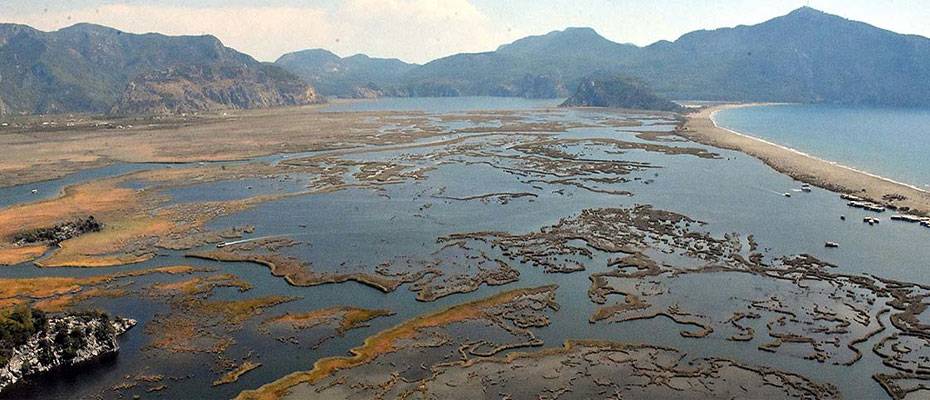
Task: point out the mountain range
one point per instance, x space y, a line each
805 56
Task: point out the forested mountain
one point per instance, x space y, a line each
805 56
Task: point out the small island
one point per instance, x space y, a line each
614 91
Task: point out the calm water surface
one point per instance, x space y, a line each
734 194
444 104
891 142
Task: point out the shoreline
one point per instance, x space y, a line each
713 114
702 127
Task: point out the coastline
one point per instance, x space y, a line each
702 127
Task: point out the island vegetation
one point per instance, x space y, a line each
618 92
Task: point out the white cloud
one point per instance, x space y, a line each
413 30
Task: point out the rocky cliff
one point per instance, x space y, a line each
192 88
63 342
88 68
618 92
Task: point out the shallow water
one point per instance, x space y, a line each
52 188
444 104
891 142
365 227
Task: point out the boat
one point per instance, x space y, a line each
806 188
831 245
908 218
865 205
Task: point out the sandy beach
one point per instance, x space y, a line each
700 126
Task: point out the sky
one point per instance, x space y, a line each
423 30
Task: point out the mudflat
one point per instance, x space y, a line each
418 250
39 149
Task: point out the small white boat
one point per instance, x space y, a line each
866 205
35 191
851 197
806 188
907 218
787 194
831 245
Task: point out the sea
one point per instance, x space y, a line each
890 142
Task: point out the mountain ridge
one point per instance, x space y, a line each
355 76
806 56
87 67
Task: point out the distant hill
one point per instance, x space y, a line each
545 66
618 92
87 68
805 56
353 77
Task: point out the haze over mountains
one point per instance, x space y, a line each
805 56
356 76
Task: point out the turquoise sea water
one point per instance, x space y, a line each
891 142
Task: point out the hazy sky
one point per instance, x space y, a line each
422 30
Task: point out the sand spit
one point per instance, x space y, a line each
701 127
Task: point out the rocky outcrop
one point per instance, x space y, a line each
64 341
370 91
533 87
193 88
618 92
58 233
